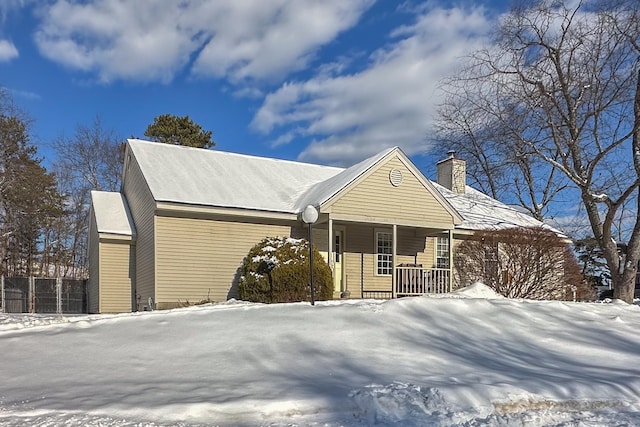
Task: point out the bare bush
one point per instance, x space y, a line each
531 263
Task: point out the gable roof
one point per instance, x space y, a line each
221 179
112 213
215 178
323 191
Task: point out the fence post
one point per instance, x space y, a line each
32 294
4 300
58 295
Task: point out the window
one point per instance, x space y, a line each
490 262
442 252
384 252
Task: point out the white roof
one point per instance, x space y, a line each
112 213
481 212
215 178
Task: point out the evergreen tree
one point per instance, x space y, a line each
170 129
29 200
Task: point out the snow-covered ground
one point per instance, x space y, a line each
467 359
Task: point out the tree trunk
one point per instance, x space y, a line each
624 284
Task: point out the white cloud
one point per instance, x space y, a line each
149 41
24 94
391 102
118 40
268 39
7 51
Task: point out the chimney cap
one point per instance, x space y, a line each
451 154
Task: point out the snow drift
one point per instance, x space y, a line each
470 358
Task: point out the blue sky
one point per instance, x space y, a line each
330 82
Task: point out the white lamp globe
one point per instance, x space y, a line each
310 214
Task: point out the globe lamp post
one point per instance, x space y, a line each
310 216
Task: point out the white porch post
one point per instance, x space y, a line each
393 260
450 260
330 257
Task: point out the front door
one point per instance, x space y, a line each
338 255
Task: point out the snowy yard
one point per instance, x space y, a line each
468 359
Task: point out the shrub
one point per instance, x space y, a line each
529 263
277 270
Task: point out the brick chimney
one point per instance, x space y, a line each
452 173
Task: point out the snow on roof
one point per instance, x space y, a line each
481 212
112 213
221 179
216 178
324 190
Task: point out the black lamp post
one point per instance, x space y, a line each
309 216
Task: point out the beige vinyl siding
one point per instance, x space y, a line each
199 259
360 249
428 259
360 258
142 207
376 198
94 266
411 247
115 277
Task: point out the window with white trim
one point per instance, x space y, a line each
442 252
384 253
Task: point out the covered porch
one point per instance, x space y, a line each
378 260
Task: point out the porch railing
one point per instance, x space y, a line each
416 280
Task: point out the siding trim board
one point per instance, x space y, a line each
116 237
211 212
389 222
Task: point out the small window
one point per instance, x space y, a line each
442 252
384 252
490 262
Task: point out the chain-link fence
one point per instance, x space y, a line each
41 295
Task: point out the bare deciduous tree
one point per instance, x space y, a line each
90 160
561 88
492 166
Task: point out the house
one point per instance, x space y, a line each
185 218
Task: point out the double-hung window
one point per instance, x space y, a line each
384 253
442 252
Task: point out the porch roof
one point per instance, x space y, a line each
323 191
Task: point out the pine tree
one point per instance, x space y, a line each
170 129
29 200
